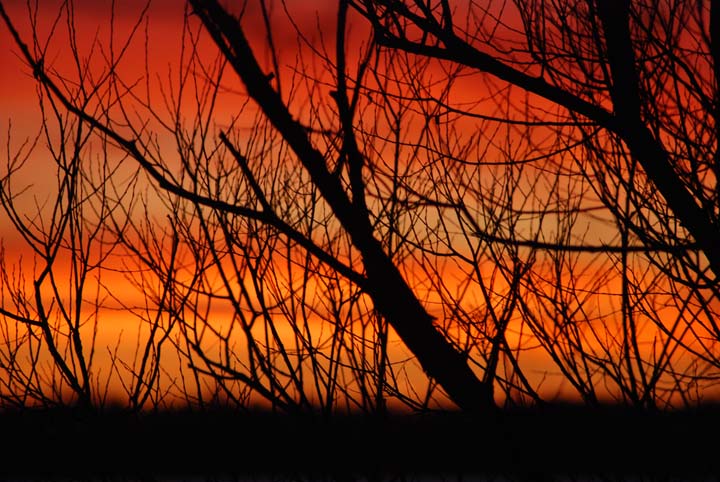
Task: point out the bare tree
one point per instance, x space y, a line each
631 88
69 214
340 195
493 186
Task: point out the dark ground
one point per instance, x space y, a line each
573 442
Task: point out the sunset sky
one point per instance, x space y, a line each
152 70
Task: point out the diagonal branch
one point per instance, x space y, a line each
387 287
625 121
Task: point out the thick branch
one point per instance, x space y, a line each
625 121
385 284
653 157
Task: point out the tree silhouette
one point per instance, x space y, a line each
489 187
631 88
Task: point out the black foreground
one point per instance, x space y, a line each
553 443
